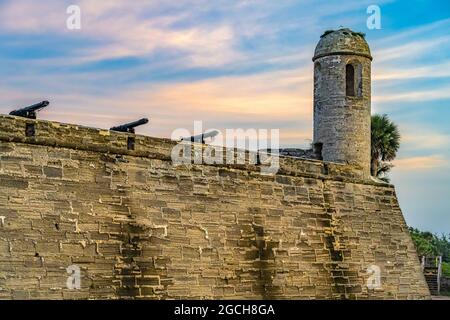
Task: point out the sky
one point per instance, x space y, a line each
235 64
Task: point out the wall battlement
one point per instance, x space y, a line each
71 136
140 228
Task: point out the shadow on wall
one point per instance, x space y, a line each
265 264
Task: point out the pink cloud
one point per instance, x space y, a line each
421 163
267 100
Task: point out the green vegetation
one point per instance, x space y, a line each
429 244
385 139
446 269
361 34
326 32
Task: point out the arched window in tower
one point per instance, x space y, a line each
349 80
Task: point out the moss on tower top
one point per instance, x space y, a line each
342 41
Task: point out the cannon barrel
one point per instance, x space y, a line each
129 127
30 111
200 138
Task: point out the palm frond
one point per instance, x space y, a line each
385 139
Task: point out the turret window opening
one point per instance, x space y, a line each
353 80
349 80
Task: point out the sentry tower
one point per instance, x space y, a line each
342 67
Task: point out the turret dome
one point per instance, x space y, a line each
341 42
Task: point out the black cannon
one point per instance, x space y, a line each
129 127
200 138
30 112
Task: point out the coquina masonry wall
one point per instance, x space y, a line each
140 228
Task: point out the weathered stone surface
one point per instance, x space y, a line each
341 42
139 227
342 120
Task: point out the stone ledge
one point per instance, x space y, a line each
71 136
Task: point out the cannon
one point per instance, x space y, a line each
30 112
129 127
200 138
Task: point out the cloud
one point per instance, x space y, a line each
415 35
421 163
422 140
416 31
409 49
22 16
118 29
271 100
416 95
438 70
200 46
410 58
183 30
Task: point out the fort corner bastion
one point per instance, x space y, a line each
136 226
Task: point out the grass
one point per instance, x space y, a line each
445 293
446 269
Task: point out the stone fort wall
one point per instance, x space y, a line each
140 228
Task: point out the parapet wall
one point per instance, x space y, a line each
139 227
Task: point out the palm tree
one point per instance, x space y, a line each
385 144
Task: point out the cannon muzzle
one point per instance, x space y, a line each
200 138
30 112
129 127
